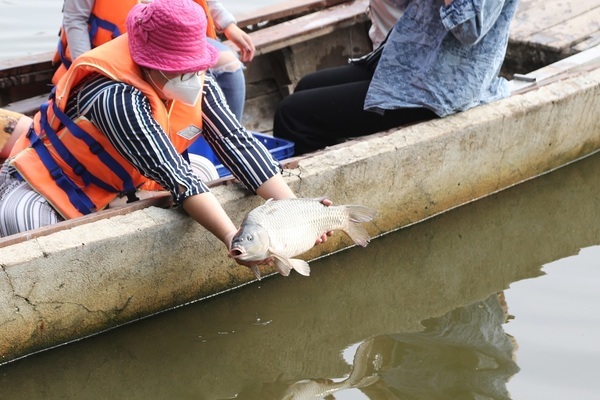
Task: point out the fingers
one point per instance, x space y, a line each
323 237
243 41
247 50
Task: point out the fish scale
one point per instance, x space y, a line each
303 221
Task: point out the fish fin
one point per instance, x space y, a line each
282 264
285 265
357 233
256 271
300 266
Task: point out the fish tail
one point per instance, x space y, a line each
357 233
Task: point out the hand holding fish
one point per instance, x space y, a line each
281 229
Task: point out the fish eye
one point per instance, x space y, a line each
250 237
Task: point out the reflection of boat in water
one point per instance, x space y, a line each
464 354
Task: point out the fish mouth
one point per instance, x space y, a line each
236 252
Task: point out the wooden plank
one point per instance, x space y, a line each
569 33
592 41
28 106
282 10
544 15
6 66
309 26
575 64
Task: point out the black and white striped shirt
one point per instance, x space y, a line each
123 114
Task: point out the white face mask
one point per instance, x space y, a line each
185 87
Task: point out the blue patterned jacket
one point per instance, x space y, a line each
446 59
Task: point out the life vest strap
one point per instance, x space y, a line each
63 55
66 155
97 149
60 147
76 196
97 23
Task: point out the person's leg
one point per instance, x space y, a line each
229 73
333 76
22 208
320 115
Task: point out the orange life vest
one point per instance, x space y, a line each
106 22
72 163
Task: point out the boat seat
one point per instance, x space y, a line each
308 26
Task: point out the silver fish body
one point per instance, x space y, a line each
282 229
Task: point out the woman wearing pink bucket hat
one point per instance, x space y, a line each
119 120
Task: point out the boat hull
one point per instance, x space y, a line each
92 277
80 278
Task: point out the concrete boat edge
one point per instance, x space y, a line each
74 283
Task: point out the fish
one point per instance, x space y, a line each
282 229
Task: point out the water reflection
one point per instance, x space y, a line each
422 298
463 354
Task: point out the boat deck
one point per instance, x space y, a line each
550 30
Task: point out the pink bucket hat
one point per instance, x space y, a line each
170 36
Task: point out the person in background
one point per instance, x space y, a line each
121 116
90 23
383 15
440 58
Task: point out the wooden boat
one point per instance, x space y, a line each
83 276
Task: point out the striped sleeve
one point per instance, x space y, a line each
245 156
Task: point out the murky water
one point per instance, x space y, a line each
495 300
31 26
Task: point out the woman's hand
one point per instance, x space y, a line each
242 40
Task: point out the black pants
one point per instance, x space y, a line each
327 107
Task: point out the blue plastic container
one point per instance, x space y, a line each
280 149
